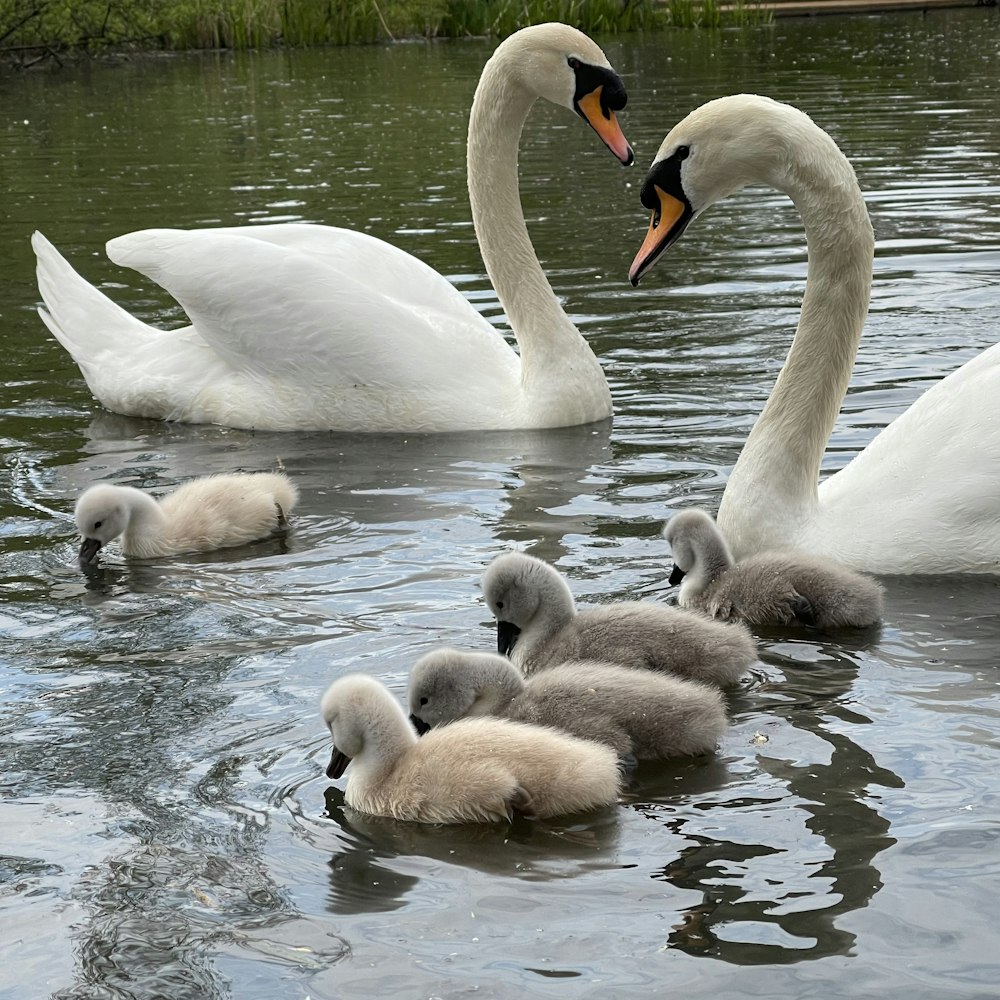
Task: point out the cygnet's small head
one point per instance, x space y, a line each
717 149
517 587
347 708
102 514
693 538
563 65
442 688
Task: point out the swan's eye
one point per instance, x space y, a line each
682 152
423 701
574 63
499 604
97 524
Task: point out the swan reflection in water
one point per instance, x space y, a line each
759 903
368 868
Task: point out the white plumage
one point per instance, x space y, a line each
298 327
924 495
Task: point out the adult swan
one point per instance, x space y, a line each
302 327
924 496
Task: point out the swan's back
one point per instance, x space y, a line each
654 637
637 712
777 588
483 770
221 511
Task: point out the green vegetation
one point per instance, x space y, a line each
32 29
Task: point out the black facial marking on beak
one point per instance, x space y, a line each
419 725
89 550
599 94
676 575
664 195
507 634
338 763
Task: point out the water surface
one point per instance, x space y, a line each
167 827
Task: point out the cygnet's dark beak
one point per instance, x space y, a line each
338 763
89 550
507 633
676 575
419 725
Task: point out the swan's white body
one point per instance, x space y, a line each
299 327
924 495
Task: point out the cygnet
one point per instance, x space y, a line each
214 512
771 588
473 771
640 714
539 627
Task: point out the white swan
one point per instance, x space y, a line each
213 512
302 327
924 495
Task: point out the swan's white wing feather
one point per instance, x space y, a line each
922 496
368 259
278 312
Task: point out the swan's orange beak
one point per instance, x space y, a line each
666 223
605 125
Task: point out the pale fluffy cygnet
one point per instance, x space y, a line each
638 713
214 512
539 627
772 588
473 771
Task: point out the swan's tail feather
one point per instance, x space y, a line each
84 320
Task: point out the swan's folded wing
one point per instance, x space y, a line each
929 479
330 318
384 268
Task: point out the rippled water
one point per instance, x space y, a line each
167 830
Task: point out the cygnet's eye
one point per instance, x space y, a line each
97 524
499 604
423 701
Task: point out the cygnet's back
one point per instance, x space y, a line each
213 512
638 713
538 625
473 771
770 588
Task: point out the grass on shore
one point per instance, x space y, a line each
39 29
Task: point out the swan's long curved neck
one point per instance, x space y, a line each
546 337
779 465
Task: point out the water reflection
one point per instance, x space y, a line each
776 899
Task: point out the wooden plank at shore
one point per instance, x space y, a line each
804 8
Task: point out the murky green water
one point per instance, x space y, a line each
166 827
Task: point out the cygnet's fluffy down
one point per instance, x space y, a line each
638 713
473 771
539 627
773 588
214 512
